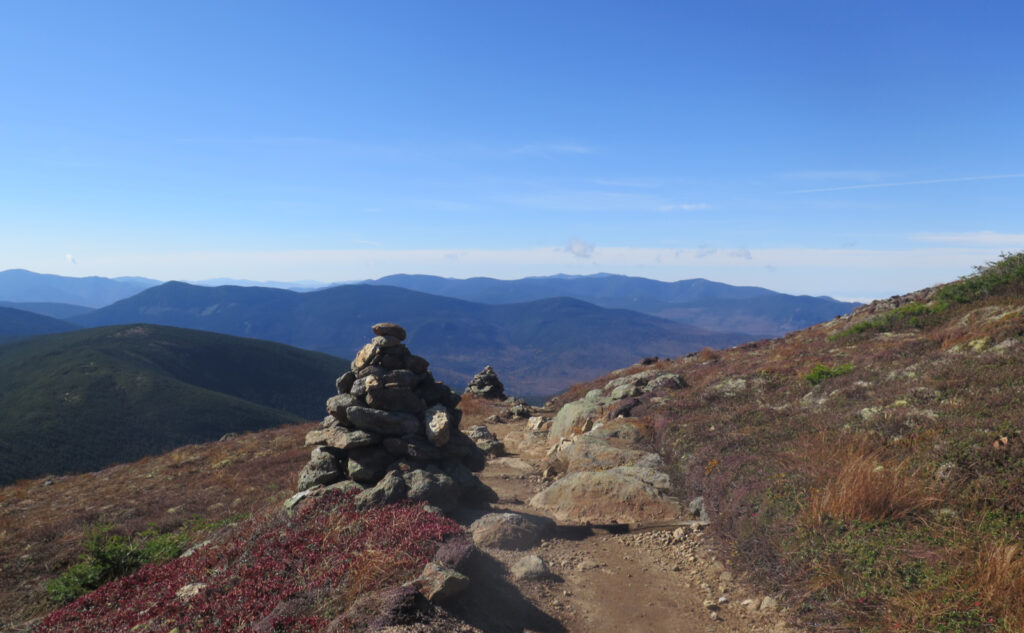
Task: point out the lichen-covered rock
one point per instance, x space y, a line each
510 530
322 469
390 489
383 422
615 495
530 567
439 584
439 424
368 465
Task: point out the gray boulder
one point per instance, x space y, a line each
322 469
510 530
432 485
390 489
368 465
530 567
383 422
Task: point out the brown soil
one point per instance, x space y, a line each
645 580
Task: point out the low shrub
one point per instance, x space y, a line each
108 556
824 372
1006 274
323 556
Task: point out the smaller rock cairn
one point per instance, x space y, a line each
393 433
486 385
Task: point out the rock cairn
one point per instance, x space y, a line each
392 433
486 385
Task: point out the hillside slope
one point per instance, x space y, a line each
868 470
17 324
82 400
538 348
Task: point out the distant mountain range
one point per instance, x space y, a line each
18 324
538 347
707 304
81 400
92 292
541 333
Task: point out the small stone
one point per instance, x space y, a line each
345 381
530 567
438 583
438 424
389 329
768 603
190 590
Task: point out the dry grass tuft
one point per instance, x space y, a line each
997 579
867 487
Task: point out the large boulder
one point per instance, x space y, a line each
574 414
625 494
510 530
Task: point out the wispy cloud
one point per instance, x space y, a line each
545 149
69 258
579 248
626 183
836 174
977 238
933 181
686 206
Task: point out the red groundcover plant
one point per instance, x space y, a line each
328 549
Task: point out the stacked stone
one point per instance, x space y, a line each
486 385
394 431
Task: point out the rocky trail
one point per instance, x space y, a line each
596 577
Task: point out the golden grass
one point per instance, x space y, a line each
997 578
863 485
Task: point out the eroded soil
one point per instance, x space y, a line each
610 579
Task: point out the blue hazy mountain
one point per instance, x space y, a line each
706 304
92 292
537 347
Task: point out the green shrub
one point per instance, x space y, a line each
992 278
911 315
108 556
824 372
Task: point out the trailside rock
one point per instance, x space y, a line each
510 530
486 385
530 567
438 583
616 495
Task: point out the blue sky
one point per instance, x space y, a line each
855 149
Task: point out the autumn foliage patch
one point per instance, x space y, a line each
321 558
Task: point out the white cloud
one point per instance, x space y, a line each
842 273
552 148
69 258
977 238
836 174
911 182
697 206
579 248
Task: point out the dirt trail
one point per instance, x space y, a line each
648 581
